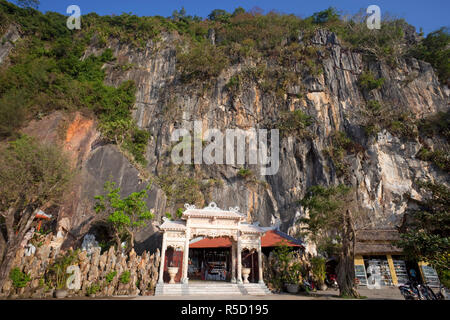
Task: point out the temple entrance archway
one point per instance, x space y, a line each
213 222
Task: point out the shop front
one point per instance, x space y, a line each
376 257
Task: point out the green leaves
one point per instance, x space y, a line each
31 173
125 277
19 278
202 61
427 236
326 206
368 81
294 121
435 50
126 215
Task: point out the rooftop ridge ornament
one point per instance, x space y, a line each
189 206
212 206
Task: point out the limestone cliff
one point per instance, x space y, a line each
383 169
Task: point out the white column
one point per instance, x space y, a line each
163 259
239 259
184 277
260 263
233 261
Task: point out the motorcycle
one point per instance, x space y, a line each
308 285
331 281
411 290
427 292
442 295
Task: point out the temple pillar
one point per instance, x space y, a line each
260 264
184 277
163 259
233 261
239 260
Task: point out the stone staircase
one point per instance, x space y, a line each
200 288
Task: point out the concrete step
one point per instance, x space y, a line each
208 288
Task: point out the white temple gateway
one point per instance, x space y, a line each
211 222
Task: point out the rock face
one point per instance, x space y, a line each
383 173
7 42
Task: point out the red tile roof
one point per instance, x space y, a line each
221 242
270 239
273 239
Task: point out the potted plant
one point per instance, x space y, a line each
294 277
61 291
318 268
58 272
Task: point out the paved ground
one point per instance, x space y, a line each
390 293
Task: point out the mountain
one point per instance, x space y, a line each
355 106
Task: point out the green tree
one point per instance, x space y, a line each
328 15
32 176
219 15
238 11
435 49
331 225
28 3
126 216
318 268
425 234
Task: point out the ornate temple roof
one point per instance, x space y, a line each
212 211
173 225
250 228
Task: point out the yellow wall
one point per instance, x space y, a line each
422 263
392 269
359 260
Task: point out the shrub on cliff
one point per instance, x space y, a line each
368 81
435 49
19 278
201 62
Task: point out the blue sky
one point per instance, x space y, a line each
429 14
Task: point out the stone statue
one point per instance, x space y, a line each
374 281
89 244
30 250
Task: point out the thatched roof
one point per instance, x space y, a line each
377 235
377 241
376 248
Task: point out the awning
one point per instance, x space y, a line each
271 238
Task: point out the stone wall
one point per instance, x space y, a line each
93 267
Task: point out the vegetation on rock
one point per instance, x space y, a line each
426 230
19 278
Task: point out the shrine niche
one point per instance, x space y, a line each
211 222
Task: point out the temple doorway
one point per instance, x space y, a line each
210 264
